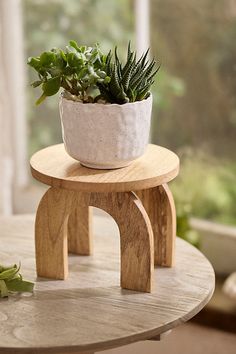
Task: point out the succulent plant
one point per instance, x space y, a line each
129 82
77 70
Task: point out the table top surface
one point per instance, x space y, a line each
89 311
53 166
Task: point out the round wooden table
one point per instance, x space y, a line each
89 312
136 196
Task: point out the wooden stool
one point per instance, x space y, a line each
137 197
89 312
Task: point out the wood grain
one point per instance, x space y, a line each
80 239
136 237
90 312
53 166
51 232
160 336
159 204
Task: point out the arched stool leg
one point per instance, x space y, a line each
51 233
80 231
159 204
136 237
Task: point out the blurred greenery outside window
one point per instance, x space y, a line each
194 110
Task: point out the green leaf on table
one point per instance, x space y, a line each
19 285
9 273
11 281
3 289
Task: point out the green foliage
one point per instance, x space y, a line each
81 71
208 186
184 229
129 82
11 280
78 69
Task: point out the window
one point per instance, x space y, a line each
195 100
194 109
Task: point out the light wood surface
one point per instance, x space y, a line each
53 166
136 236
80 239
160 206
51 224
90 312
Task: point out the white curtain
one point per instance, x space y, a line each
12 116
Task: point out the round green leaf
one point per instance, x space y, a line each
51 86
46 58
34 62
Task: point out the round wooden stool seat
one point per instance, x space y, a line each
90 312
53 166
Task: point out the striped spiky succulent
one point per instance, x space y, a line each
129 82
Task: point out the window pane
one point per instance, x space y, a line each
195 100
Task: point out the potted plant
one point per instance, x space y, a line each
105 106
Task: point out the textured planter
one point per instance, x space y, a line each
105 136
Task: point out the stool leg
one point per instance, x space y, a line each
80 231
136 237
159 204
51 233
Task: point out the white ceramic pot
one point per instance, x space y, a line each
105 136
